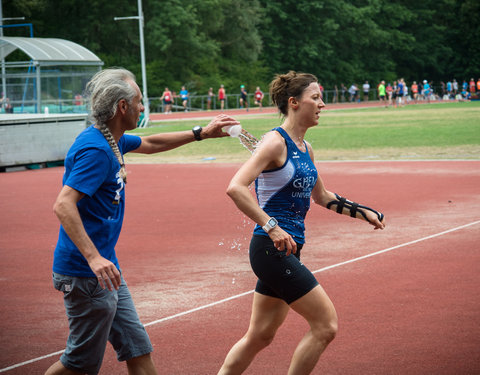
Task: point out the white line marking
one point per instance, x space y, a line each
397 247
31 361
251 291
198 308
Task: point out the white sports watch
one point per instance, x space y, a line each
271 223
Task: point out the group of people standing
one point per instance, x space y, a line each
243 99
452 90
91 203
397 94
168 98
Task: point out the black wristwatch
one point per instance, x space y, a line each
197 130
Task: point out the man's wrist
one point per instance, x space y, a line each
197 133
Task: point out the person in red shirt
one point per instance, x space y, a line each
472 86
389 90
414 89
222 96
321 89
258 97
478 85
78 99
167 98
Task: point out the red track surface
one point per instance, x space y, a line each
411 310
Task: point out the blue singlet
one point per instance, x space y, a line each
284 193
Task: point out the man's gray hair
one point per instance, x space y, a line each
105 90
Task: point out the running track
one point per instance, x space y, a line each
252 111
412 307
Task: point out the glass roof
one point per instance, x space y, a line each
49 51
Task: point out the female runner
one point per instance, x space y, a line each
285 179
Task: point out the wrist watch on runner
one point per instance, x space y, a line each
271 223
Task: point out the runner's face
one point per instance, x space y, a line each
310 105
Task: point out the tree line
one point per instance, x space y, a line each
205 43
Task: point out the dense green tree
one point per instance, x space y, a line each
203 43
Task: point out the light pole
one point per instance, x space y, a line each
146 103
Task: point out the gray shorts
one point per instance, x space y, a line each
95 316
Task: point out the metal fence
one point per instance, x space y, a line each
63 97
200 102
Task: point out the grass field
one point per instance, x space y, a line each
427 131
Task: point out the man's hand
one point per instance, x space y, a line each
214 128
106 272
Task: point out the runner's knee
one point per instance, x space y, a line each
326 331
261 339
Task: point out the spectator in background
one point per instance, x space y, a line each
243 97
210 96
466 94
353 92
478 85
222 96
335 94
420 91
427 91
167 98
389 91
449 90
400 91
184 96
258 97
78 100
472 86
366 89
465 85
414 90
405 92
321 89
5 103
455 87
382 92
394 93
343 89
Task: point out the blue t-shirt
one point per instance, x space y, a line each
426 89
400 88
184 94
284 193
92 168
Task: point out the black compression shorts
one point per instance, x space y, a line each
279 276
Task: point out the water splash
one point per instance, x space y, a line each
248 141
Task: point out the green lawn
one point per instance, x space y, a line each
426 131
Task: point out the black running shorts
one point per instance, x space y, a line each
279 275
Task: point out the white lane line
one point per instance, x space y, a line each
251 291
